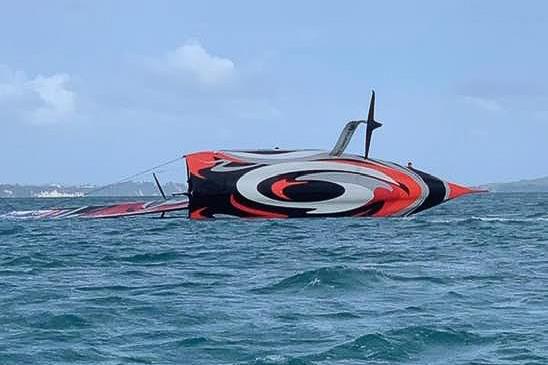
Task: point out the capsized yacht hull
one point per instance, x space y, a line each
308 183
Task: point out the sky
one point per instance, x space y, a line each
92 91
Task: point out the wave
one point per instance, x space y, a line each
113 301
145 258
174 224
399 344
472 219
61 322
192 341
34 262
10 230
326 277
347 278
279 360
150 289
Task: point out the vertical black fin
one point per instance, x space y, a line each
350 128
372 124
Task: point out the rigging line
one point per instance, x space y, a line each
8 205
127 178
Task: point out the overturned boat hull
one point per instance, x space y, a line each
308 183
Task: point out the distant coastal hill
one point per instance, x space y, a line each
521 186
144 188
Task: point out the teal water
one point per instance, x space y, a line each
463 283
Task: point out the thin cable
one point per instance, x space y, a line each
8 204
101 188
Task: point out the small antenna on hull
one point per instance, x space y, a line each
161 191
159 186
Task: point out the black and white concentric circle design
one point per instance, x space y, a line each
356 184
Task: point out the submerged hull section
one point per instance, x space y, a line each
104 211
308 183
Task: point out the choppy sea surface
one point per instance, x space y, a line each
462 283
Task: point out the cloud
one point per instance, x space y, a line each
192 60
58 100
521 95
41 100
499 89
491 105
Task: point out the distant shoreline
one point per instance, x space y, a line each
539 185
149 189
53 191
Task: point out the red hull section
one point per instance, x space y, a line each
106 211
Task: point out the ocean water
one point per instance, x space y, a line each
463 283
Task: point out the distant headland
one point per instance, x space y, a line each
539 185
